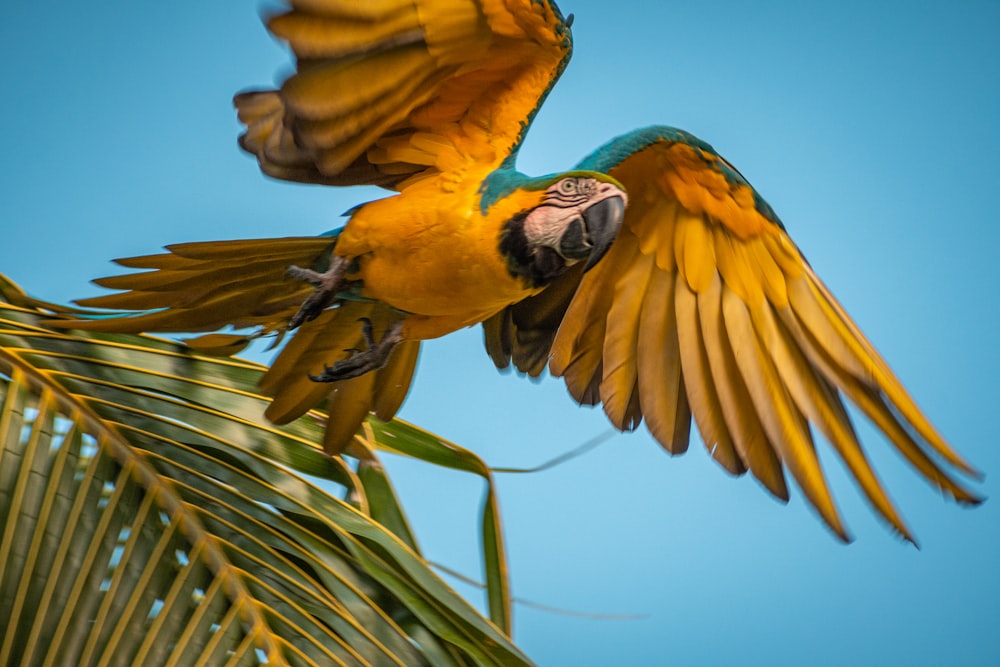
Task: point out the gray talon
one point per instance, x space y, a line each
327 285
375 357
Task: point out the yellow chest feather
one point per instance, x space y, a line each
434 253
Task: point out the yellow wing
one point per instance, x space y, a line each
387 89
705 307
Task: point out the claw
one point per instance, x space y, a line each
375 357
327 371
327 285
366 331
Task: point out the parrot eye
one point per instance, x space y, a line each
567 186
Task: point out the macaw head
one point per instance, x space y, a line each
576 219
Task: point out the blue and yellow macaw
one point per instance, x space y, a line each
651 276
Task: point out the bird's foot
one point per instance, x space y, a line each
373 358
327 285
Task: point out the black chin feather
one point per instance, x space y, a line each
539 265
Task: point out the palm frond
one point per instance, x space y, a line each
148 515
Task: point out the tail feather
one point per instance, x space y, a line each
348 403
207 286
332 337
204 287
290 247
204 276
316 344
392 383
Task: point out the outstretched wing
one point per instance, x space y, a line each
388 89
385 91
705 307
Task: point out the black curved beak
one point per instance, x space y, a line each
593 236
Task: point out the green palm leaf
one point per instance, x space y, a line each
149 516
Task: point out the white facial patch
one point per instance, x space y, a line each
546 224
565 201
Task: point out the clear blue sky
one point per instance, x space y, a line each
872 128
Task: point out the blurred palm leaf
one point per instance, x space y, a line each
149 516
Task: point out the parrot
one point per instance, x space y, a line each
651 276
